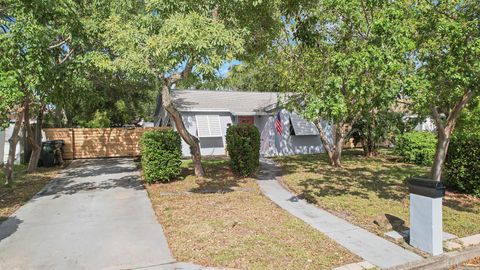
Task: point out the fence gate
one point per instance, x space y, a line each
98 142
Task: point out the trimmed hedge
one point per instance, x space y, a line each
416 147
462 165
161 153
243 146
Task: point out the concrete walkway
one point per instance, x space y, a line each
369 246
94 215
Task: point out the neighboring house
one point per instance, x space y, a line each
426 124
207 115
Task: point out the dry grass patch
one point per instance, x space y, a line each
370 189
24 187
224 221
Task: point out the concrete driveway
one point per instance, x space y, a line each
94 215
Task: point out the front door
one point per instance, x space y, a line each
246 120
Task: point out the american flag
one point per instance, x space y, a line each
278 123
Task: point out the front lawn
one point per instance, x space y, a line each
225 221
367 191
25 186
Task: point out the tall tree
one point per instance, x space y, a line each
347 58
172 41
34 42
448 66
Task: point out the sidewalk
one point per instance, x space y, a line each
369 246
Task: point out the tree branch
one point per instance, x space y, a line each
181 75
61 61
455 113
436 118
60 43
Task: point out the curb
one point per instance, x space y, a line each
444 261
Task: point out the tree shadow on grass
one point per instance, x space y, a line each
462 203
361 176
218 178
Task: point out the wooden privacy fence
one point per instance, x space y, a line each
98 142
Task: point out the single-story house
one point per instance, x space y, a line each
207 115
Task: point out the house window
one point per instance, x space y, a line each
302 127
208 126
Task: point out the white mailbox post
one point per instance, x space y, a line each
426 224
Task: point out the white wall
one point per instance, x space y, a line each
274 144
427 125
2 146
8 134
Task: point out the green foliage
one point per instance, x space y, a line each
10 96
161 153
349 59
462 165
375 128
416 147
469 121
243 146
100 120
447 51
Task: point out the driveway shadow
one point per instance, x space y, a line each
91 175
97 167
9 227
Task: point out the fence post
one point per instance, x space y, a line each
73 144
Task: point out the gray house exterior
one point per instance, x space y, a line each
207 115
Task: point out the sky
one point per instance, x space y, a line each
223 70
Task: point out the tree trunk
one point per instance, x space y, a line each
191 140
335 153
445 133
13 147
441 152
339 141
369 147
35 139
325 142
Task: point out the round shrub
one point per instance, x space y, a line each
416 147
243 146
462 165
161 153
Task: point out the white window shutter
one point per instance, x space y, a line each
302 127
208 126
215 127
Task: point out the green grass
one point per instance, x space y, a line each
225 221
368 189
24 187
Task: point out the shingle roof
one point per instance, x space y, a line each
236 102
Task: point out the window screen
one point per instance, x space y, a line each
208 126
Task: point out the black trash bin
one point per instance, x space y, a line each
58 151
47 156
